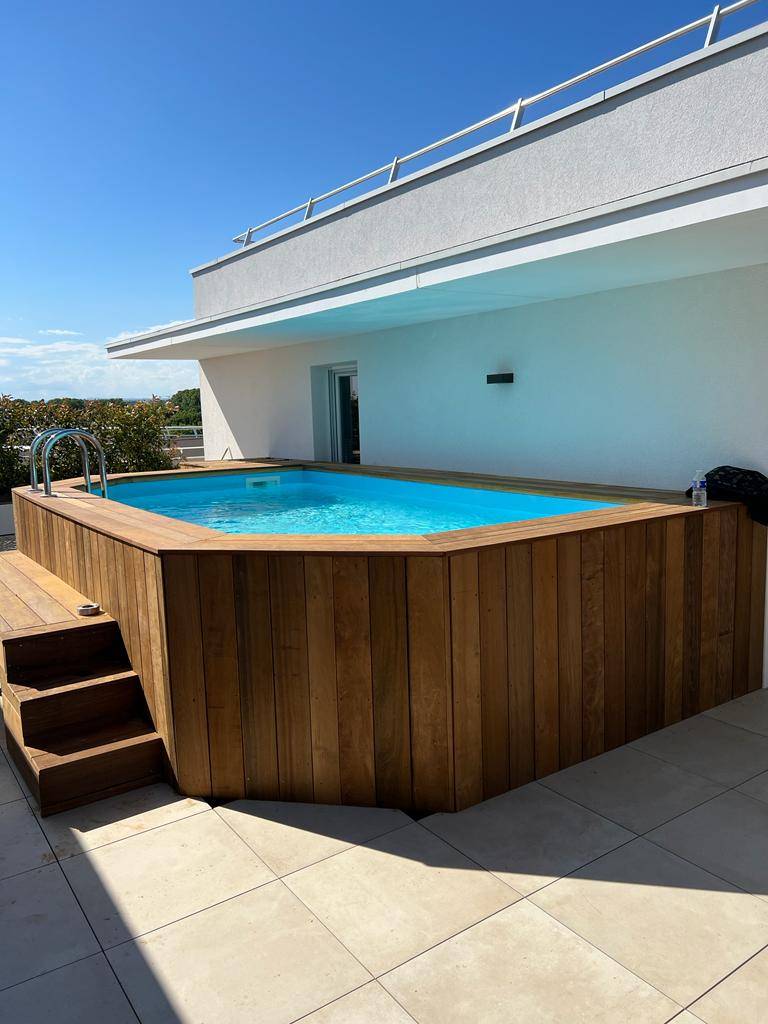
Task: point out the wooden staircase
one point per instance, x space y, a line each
76 720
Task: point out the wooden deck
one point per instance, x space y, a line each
423 672
32 596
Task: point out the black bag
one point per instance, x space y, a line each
729 483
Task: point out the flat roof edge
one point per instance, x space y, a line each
703 53
394 272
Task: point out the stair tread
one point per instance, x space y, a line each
90 742
71 683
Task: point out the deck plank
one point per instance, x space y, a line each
323 697
389 666
354 683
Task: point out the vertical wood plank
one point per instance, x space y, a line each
726 598
694 530
185 665
492 580
634 637
569 647
145 637
321 652
289 651
429 667
257 687
465 659
593 641
163 712
674 588
710 570
222 681
545 657
743 602
614 549
352 623
391 695
757 606
520 663
655 567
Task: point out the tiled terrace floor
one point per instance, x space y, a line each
631 888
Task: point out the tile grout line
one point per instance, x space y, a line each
114 842
101 951
724 979
351 845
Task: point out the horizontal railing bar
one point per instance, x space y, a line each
514 109
638 50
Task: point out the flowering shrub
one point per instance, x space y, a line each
131 434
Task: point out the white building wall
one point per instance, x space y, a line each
638 386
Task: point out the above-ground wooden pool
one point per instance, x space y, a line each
425 672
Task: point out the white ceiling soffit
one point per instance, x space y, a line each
658 247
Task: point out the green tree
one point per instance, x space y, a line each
131 433
186 408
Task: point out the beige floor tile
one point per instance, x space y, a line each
757 787
675 926
728 836
748 712
711 748
523 966
22 844
528 837
9 786
740 999
261 957
150 880
85 992
290 836
41 926
632 788
367 1005
398 895
685 1018
94 825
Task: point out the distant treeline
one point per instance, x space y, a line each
183 406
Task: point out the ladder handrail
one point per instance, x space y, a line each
84 435
38 439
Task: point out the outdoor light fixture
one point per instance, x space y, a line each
500 378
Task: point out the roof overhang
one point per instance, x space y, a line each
720 223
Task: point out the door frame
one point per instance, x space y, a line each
334 373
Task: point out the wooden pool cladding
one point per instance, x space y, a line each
420 673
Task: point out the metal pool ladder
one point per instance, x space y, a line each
49 438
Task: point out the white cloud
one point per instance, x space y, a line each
80 369
61 333
126 335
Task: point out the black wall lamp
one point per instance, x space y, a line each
500 378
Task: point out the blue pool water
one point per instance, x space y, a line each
314 501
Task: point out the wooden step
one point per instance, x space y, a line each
45 708
79 766
79 648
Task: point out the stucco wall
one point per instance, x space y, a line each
638 386
672 129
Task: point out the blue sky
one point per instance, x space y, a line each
139 137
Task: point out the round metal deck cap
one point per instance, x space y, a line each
91 608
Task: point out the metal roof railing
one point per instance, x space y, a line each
514 112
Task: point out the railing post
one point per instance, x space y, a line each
516 114
247 237
393 170
714 25
310 207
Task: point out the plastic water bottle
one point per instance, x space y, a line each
699 489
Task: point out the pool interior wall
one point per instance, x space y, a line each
307 501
